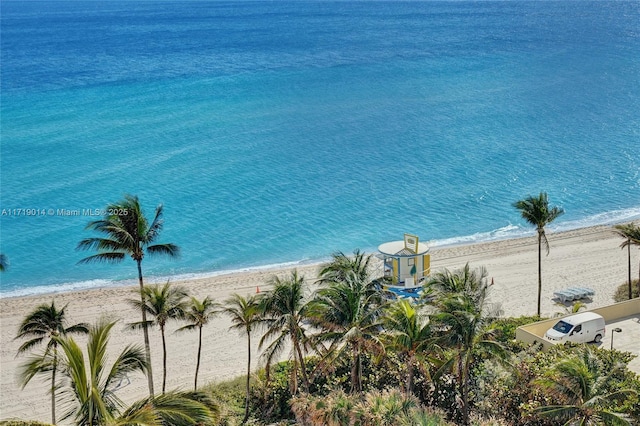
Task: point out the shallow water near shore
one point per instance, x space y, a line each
280 132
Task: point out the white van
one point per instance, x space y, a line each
578 328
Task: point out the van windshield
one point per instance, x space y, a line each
562 327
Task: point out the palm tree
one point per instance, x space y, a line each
348 311
409 334
163 303
631 234
4 262
244 313
537 212
92 384
462 320
580 384
465 280
342 266
45 322
128 232
284 311
198 314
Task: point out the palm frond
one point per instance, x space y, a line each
103 257
33 366
170 250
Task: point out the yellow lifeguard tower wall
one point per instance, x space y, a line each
402 268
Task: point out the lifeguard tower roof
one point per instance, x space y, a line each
398 249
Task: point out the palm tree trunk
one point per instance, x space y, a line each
356 369
303 366
629 257
195 381
410 376
293 386
145 329
539 271
246 401
465 393
53 384
359 370
164 360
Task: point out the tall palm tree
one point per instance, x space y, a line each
537 212
163 303
244 313
579 386
128 232
347 312
92 384
631 234
284 311
198 313
45 322
462 320
409 334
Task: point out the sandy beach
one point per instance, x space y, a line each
589 257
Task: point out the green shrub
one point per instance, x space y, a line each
230 396
269 402
622 292
374 408
513 390
22 423
506 331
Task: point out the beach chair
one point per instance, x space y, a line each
587 292
575 293
563 296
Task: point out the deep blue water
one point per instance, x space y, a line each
282 131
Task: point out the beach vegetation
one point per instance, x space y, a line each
573 308
199 313
162 303
244 314
347 312
408 333
631 234
284 311
579 391
373 408
127 231
537 212
230 398
45 324
91 384
622 291
463 327
542 389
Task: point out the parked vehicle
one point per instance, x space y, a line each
578 328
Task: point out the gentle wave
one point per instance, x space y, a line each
514 231
504 233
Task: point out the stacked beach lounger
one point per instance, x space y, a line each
573 293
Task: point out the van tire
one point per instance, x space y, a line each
598 338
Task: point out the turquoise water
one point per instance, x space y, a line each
280 132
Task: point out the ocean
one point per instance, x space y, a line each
279 132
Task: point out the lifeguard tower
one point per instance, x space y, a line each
406 262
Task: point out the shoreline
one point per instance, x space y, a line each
501 235
589 256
